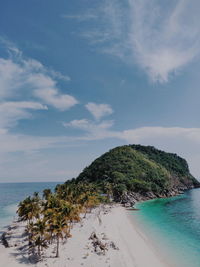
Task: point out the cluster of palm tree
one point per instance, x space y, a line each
51 217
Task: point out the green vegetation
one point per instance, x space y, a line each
50 219
171 162
137 168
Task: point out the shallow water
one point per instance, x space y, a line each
174 226
12 193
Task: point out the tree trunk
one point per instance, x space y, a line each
39 254
57 249
85 213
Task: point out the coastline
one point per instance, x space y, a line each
126 243
174 233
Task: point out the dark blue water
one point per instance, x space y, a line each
12 193
174 226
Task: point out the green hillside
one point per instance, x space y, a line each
139 169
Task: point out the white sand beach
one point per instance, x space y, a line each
127 246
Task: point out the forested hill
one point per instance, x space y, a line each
140 169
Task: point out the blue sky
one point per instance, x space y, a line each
78 78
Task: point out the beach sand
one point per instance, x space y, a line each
127 245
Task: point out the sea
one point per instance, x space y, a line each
171 225
12 193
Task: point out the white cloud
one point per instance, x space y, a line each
52 97
165 39
28 144
23 76
160 36
99 110
145 133
60 76
81 17
94 131
10 77
24 143
87 125
11 112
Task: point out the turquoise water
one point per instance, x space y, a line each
12 193
174 226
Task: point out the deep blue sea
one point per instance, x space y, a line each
12 193
173 224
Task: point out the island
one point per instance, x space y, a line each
85 222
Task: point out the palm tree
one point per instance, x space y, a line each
29 209
60 228
52 218
89 201
40 243
47 193
40 227
30 230
108 188
39 231
23 209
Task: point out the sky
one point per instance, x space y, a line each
78 78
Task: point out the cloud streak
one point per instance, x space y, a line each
80 17
165 39
144 135
99 110
12 112
93 130
160 37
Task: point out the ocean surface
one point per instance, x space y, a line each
173 225
12 193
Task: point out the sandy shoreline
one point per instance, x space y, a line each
127 245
